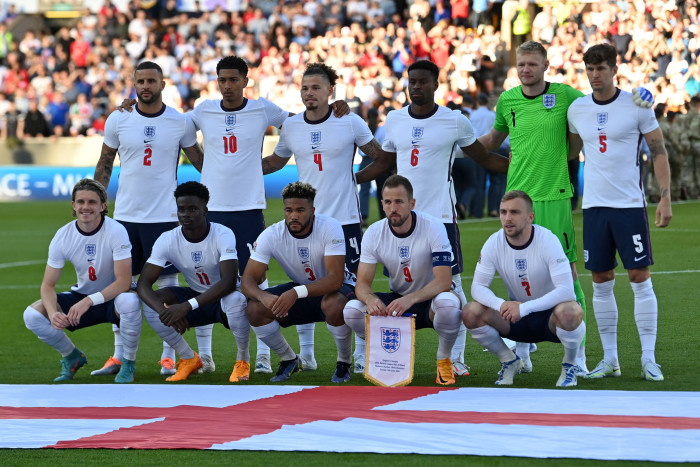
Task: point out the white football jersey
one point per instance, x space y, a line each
612 137
527 271
302 258
425 151
410 257
92 253
198 262
149 151
324 151
233 141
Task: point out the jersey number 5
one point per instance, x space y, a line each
603 139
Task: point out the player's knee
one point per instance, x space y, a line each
332 307
167 281
255 311
472 314
233 301
446 304
127 304
33 318
354 315
568 315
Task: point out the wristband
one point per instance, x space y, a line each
302 291
193 303
97 298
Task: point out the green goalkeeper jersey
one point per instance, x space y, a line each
538 140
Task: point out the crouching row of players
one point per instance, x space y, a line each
412 246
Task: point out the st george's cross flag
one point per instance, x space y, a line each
390 349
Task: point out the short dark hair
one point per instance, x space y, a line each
601 53
395 181
299 190
660 110
515 194
88 184
232 63
426 65
192 189
323 70
149 66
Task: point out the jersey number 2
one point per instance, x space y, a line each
147 156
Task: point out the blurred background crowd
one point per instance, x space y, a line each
64 81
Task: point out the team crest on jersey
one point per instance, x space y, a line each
521 264
602 118
417 132
549 101
197 256
304 253
404 252
230 119
315 137
391 339
149 131
90 249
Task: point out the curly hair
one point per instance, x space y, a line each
299 190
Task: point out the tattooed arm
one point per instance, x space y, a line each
383 161
272 163
662 171
103 170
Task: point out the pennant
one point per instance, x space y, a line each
390 350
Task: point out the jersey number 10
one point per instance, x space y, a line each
230 144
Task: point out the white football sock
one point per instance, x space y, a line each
234 307
118 344
168 334
360 347
571 340
203 334
446 322
128 306
461 341
605 311
489 338
522 350
646 310
271 334
306 339
354 316
169 280
343 341
41 326
262 348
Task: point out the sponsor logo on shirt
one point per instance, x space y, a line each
337 241
230 250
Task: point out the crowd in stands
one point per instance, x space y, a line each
66 82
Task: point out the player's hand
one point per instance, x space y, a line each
399 306
59 320
510 311
642 97
174 313
663 212
78 310
181 326
127 104
376 307
285 301
340 108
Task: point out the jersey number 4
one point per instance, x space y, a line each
230 144
318 161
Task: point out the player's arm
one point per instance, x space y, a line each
48 297
340 108
493 139
252 276
196 155
575 146
442 282
662 171
488 160
273 163
103 169
374 151
563 292
363 289
121 284
144 287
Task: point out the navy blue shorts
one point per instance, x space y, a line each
205 314
453 235
142 237
533 328
306 310
353 239
246 226
420 310
608 229
96 314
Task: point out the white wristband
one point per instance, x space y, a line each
193 303
302 291
97 298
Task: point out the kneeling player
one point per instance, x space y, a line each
205 253
532 263
414 248
311 250
99 249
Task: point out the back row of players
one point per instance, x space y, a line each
420 139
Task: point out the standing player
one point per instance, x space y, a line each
324 148
611 126
542 304
205 253
414 248
99 249
311 250
149 142
422 138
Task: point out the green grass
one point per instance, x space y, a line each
28 228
